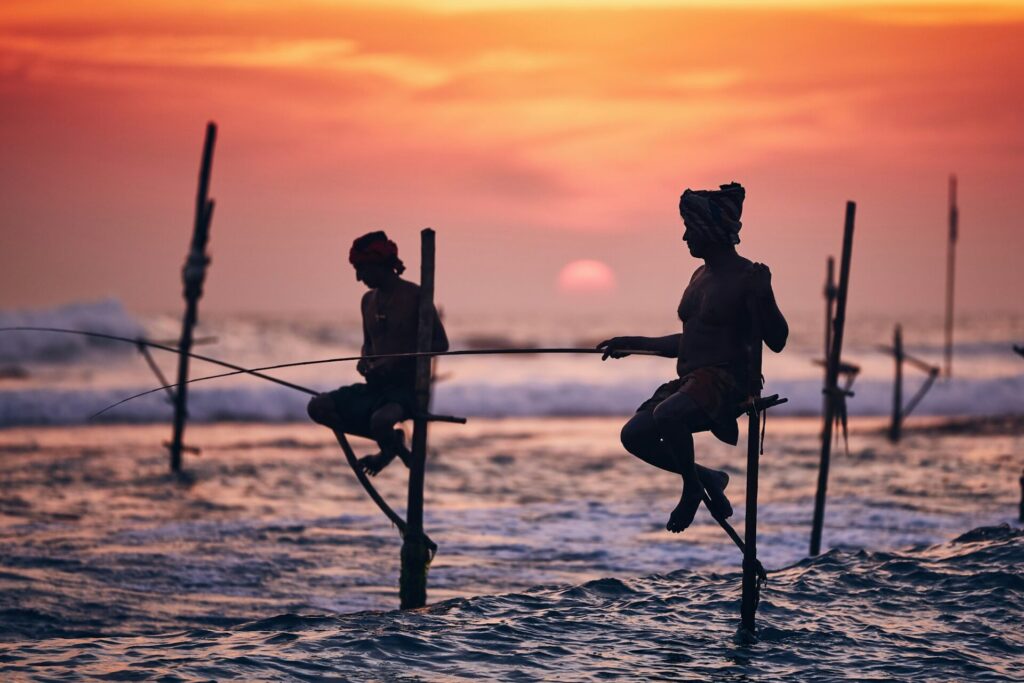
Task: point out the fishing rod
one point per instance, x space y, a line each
349 455
412 354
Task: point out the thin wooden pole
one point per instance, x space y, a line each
897 387
830 300
415 553
193 275
748 608
1021 517
954 228
832 379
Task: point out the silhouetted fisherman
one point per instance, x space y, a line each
718 311
390 317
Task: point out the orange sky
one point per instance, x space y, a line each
528 137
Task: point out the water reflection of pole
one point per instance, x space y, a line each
833 399
193 275
415 551
954 227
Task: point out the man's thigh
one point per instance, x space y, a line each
681 408
354 406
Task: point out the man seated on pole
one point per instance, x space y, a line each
728 301
390 319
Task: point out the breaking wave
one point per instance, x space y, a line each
257 402
107 316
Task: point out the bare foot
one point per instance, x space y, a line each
684 513
373 464
714 482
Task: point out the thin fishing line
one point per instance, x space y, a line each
413 354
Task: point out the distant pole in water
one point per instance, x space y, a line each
897 386
833 398
1021 516
954 228
415 553
193 275
830 301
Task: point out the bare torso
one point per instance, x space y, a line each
715 317
390 321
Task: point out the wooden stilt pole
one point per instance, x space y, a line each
193 275
415 552
897 387
954 228
748 608
832 379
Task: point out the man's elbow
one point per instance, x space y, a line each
777 342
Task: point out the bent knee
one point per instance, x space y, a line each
636 438
320 409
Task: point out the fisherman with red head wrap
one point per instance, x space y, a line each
390 312
718 311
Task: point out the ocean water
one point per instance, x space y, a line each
267 562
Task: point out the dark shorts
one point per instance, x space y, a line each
714 390
355 404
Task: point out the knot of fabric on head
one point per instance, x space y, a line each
714 214
375 249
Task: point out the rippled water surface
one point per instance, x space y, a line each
269 563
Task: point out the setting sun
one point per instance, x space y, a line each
585 276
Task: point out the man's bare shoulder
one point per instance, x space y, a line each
744 263
406 289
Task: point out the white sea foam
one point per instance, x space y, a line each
71 377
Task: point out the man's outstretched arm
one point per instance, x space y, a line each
619 347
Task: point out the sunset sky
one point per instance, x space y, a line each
529 134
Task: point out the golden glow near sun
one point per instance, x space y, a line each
586 276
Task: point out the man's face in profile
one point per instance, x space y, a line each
695 242
372 275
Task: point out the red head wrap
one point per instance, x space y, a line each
375 249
